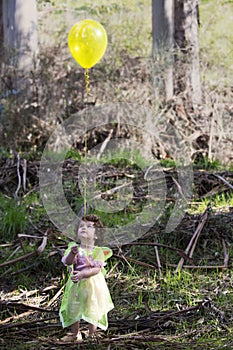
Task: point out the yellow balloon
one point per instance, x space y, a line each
87 42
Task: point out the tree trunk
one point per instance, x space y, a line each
1 30
162 32
19 41
187 77
176 49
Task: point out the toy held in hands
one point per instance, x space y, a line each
86 294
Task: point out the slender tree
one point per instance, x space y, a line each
187 78
176 48
18 34
162 32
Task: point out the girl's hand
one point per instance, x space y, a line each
86 273
74 249
77 276
69 259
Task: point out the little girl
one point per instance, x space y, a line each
86 294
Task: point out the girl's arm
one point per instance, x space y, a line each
69 259
85 273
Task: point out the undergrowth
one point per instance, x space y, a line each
13 218
141 294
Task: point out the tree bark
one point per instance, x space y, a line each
187 77
18 35
162 32
20 30
176 49
1 29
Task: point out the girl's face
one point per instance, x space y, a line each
86 231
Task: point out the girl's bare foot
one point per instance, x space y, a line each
79 337
71 337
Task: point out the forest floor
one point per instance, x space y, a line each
170 290
156 305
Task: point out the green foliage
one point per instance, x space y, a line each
206 164
139 292
126 168
5 153
16 215
121 157
217 202
13 218
167 163
34 207
74 154
116 219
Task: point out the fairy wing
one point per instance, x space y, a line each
107 253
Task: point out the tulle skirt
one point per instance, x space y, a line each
89 300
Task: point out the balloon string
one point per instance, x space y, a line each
85 193
85 168
87 81
85 147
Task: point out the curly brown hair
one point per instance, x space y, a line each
93 218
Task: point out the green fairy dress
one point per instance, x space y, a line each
89 299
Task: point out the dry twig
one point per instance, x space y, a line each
155 244
39 250
224 180
192 244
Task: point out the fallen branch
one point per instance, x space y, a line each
140 263
39 251
177 250
112 190
24 174
104 144
55 296
224 180
226 253
23 257
158 259
192 244
204 267
151 321
32 309
18 174
15 318
28 324
26 306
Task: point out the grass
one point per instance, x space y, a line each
17 214
118 167
218 202
127 20
139 293
142 294
207 164
216 41
13 218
